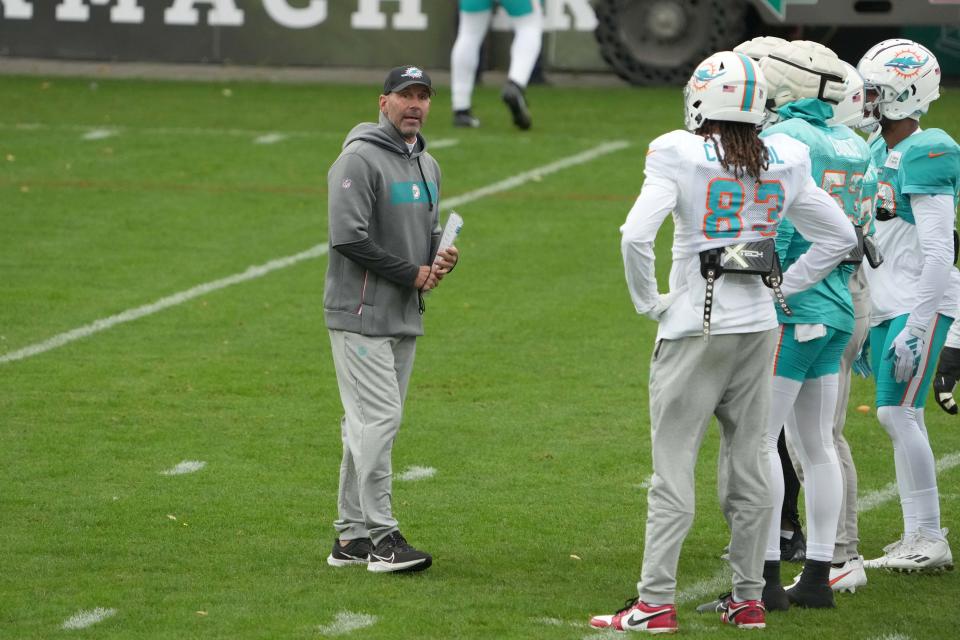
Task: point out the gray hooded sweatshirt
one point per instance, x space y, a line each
383 205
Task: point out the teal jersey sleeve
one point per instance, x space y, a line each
931 170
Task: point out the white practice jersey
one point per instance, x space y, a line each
712 208
919 183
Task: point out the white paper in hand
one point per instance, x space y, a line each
450 232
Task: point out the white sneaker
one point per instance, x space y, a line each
889 551
925 553
848 576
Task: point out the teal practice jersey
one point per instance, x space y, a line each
926 163
840 161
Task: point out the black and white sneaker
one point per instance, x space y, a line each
516 101
465 118
354 552
393 553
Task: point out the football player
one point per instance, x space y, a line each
526 18
727 190
915 291
807 81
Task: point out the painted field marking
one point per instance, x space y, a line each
536 174
709 588
99 134
269 138
163 303
442 143
874 499
84 619
347 621
282 263
414 473
187 466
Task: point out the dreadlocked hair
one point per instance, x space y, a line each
744 154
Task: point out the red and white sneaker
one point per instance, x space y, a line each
749 614
637 615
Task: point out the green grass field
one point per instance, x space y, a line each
528 398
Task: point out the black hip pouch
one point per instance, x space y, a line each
746 258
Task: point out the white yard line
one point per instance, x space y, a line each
281 263
536 174
83 619
442 143
269 138
874 499
347 621
163 303
411 474
708 589
99 134
187 466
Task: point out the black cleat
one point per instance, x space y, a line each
793 549
393 553
354 552
465 118
516 101
813 589
774 597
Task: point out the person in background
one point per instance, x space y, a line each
383 197
526 18
806 81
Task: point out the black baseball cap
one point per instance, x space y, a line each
402 77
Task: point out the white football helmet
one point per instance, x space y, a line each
726 86
803 69
759 47
850 110
906 77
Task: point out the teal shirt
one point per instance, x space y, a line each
839 161
926 163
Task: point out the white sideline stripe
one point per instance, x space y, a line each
413 473
892 636
99 134
535 174
269 138
84 619
187 466
876 498
442 143
281 263
345 622
170 301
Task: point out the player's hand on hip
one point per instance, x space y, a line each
905 353
664 300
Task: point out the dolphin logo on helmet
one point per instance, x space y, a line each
907 63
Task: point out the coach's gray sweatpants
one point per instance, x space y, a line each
691 380
372 373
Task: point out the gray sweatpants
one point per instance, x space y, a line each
372 373
691 380
848 534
